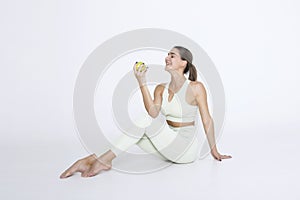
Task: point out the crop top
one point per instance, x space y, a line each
178 110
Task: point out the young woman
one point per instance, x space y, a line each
179 101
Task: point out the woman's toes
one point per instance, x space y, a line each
65 174
92 174
85 174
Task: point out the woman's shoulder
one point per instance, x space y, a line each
160 87
197 86
196 83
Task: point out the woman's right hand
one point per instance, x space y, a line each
139 74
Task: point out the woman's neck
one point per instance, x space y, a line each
177 80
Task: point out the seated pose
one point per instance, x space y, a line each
178 101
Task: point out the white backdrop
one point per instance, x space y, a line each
254 44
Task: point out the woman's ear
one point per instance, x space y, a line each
184 63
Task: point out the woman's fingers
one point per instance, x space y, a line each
219 157
225 156
216 155
141 68
134 67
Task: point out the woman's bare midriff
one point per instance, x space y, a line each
180 124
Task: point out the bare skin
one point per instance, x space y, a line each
90 165
196 95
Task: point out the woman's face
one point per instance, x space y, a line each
173 60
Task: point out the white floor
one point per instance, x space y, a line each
265 167
255 46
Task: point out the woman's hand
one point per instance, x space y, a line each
140 74
218 156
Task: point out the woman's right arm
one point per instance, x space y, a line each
152 106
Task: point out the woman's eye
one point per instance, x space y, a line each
172 56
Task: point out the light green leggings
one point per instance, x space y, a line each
176 144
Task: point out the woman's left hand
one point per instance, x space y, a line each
218 156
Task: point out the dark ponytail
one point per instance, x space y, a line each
192 72
188 57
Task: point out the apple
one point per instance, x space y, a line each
140 66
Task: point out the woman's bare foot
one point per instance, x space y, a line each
103 162
90 165
97 166
81 165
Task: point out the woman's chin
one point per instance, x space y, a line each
167 68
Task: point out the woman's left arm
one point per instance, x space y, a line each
207 121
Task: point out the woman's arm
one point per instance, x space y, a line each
207 121
152 106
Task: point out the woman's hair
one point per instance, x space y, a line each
186 55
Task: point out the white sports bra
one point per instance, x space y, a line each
178 110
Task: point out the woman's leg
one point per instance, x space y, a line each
166 144
176 145
145 144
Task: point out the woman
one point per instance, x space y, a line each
182 146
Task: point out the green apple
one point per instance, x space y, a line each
140 66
